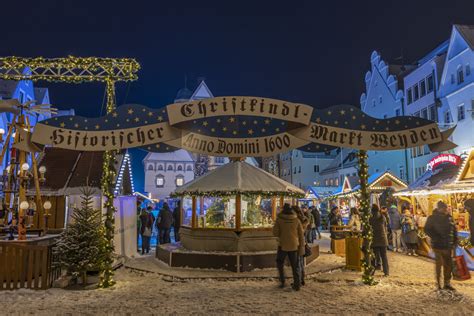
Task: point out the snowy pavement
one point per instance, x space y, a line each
409 290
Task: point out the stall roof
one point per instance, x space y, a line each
321 192
375 181
238 176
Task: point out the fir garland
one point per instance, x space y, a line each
264 194
367 233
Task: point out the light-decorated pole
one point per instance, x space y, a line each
367 233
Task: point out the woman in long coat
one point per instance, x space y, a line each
409 232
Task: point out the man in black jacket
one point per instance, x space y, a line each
177 220
317 221
443 234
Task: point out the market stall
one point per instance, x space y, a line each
448 179
227 219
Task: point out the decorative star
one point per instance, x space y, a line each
157 145
213 129
146 122
76 125
86 128
232 119
353 117
137 119
336 122
143 110
318 120
267 121
352 110
397 122
118 125
218 120
204 123
150 113
263 130
329 112
62 124
114 114
277 129
250 132
346 122
417 123
362 126
70 118
224 129
128 120
97 126
342 112
234 132
160 118
387 129
130 111
199 130
244 123
377 121
255 122
106 120
85 120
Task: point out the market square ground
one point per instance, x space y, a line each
330 290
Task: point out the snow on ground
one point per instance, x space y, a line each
409 290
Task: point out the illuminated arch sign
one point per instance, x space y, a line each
443 158
236 126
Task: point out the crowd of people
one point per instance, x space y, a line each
165 220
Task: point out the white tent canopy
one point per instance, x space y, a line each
239 176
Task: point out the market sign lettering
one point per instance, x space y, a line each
443 158
283 126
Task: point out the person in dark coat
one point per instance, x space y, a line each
305 223
442 231
469 207
177 220
335 219
409 232
164 223
379 242
317 221
146 229
395 222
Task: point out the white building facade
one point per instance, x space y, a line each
164 172
456 90
383 99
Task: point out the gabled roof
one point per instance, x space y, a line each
400 72
467 32
201 92
177 155
238 176
439 50
320 192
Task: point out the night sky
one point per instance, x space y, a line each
315 52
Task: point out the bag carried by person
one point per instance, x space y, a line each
307 250
147 232
460 269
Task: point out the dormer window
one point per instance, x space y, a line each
460 75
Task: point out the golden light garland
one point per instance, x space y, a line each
367 233
73 69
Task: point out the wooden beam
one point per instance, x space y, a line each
193 217
238 211
274 208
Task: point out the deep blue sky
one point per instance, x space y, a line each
315 52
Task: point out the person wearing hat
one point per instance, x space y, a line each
469 207
442 231
291 243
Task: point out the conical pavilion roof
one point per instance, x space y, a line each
239 177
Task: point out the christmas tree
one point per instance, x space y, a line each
81 245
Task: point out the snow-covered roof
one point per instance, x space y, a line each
177 155
239 176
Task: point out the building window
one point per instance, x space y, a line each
373 102
401 171
21 97
409 96
189 168
416 93
380 99
433 115
447 118
424 113
316 168
219 160
336 181
461 112
468 70
430 81
397 112
422 88
453 79
299 169
179 168
460 75
170 167
150 167
160 181
294 171
179 181
160 167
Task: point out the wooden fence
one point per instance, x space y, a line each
26 265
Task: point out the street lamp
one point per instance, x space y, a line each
42 171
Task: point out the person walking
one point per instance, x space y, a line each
289 231
335 219
469 207
177 220
409 232
355 224
164 223
317 222
380 242
442 231
396 227
309 228
146 229
305 223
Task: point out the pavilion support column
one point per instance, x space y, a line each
201 205
181 211
274 208
238 211
194 209
282 201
